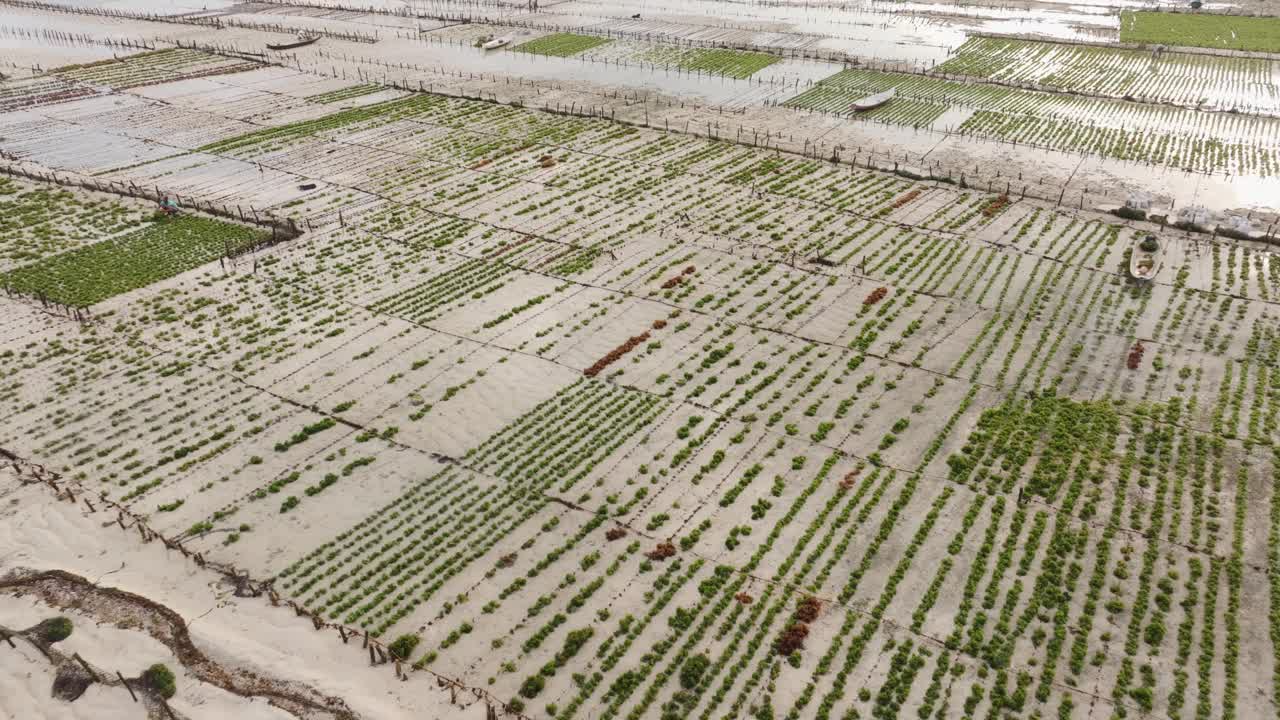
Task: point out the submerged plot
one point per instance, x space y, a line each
561 44
1178 137
838 92
87 275
150 68
1186 78
733 63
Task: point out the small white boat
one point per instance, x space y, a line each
872 102
496 43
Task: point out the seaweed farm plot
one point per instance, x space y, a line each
585 418
561 44
275 138
1244 84
711 61
1148 133
151 68
268 95
733 63
37 221
18 93
347 93
166 247
551 449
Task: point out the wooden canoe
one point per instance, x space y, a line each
300 42
872 102
1144 264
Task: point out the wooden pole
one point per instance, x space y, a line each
126 686
86 667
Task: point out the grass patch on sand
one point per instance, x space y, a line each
561 44
1197 30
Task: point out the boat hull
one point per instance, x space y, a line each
872 102
292 45
1144 264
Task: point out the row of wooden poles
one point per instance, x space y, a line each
770 139
206 20
767 139
846 61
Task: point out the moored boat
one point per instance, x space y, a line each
496 43
872 102
1144 259
302 41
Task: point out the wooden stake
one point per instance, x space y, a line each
86 667
126 686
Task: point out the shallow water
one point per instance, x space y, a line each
156 7
919 32
713 89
